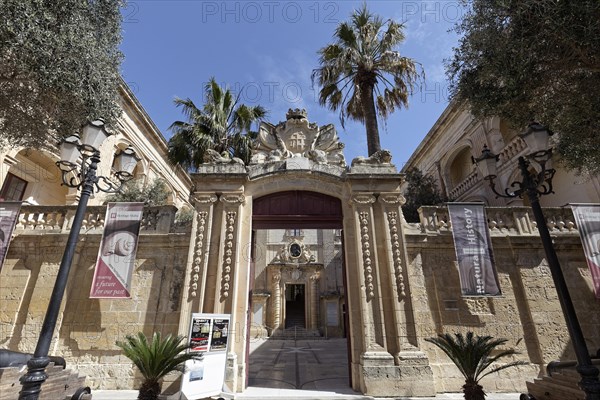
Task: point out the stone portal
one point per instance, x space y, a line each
298 179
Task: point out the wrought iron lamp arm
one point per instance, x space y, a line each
77 178
535 185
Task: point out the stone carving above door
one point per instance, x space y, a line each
294 252
295 138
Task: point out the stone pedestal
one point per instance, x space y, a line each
382 378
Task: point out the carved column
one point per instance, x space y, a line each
276 284
229 250
314 301
370 299
395 258
197 264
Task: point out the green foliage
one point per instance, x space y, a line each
154 193
59 66
156 359
222 125
184 216
527 60
473 357
362 74
420 191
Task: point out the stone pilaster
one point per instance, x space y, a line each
275 312
414 376
193 297
314 301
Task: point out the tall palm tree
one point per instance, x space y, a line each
472 356
156 359
363 75
222 125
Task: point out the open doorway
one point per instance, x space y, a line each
299 338
294 306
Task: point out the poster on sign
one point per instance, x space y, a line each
116 257
473 246
203 378
200 334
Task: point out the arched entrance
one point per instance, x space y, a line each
298 174
298 293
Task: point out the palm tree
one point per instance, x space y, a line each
156 359
222 125
472 356
363 75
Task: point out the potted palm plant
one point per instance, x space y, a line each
473 357
156 359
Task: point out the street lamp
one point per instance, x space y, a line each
78 164
534 185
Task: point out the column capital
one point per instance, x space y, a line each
233 198
205 198
391 198
363 198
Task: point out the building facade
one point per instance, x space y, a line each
299 239
31 175
445 154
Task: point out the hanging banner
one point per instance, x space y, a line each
9 212
204 378
116 258
587 218
473 250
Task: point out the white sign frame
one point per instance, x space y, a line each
205 378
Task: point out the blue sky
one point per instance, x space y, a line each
266 51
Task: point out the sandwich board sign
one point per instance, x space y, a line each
209 334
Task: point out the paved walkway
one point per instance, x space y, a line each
300 370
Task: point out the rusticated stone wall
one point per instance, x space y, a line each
88 328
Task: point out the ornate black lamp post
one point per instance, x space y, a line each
534 185
78 165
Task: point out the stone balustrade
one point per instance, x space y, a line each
502 220
465 185
511 150
58 219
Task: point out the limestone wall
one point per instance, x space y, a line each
528 313
88 328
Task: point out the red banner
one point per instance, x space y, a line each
9 212
473 246
116 258
587 218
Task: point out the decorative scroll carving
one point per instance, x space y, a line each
296 137
363 198
366 252
233 198
198 253
296 252
396 252
205 198
228 253
392 198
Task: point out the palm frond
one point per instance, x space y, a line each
363 54
157 358
212 127
472 354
